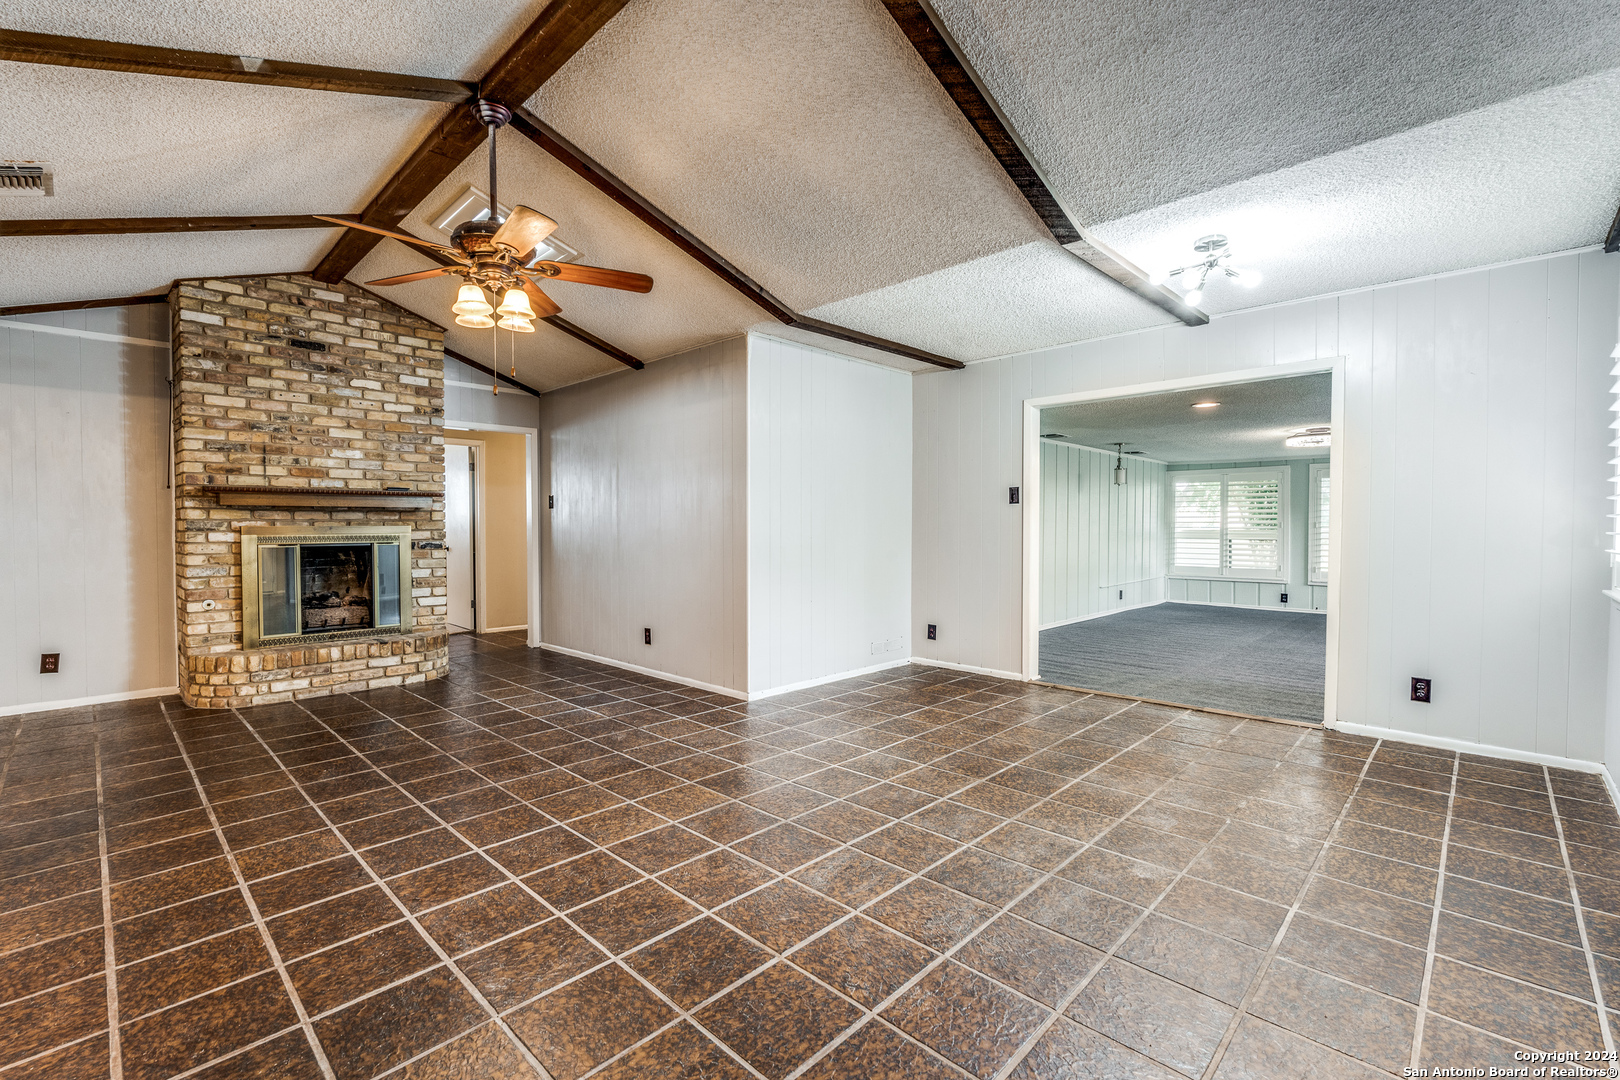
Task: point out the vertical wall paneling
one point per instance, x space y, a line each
1099 538
1472 480
85 516
829 514
649 471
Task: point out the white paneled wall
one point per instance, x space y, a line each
1302 596
1472 463
1099 539
86 519
469 400
829 514
649 471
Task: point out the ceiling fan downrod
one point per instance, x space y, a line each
494 116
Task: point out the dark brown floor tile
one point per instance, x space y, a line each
174 976
577 802
479 919
864 960
1598 894
204 1028
1362 909
1390 968
1509 873
1381 875
46 885
878 1052
1218 909
782 914
629 917
1078 912
328 923
678 803
681 1053
697 961
378 1032
569 884
85 1060
299 888
446 881
1130 879
733 821
155 931
502 825
539 850
1152 1015
414 852
1521 956
1215 966
988 877
368 832
907 846
579 1026
329 979
1402 818
514 970
1512 1009
35 1024
1070 1051
1028 845
1039 962
662 848
851 877
1603 933
1444 1040
930 913
1259 1047
716 878
1506 817
137 862
778 1019
1532 914
1250 874
1068 821
842 821
784 847
28 971
1520 845
1150 845
1357 1022
484 1052
966 1018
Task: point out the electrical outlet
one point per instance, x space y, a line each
1122 594
1421 689
933 632
646 635
551 502
50 663
1285 598
1012 495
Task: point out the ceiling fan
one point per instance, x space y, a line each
496 253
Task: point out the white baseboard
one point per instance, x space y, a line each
639 670
503 629
757 695
1251 607
98 699
1441 742
969 668
1102 614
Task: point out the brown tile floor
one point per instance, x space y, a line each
543 863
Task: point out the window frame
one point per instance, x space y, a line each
1284 476
1315 507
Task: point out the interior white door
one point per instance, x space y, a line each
459 531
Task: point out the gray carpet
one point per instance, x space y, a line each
1264 663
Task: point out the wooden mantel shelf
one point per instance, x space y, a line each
235 495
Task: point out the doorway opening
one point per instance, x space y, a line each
1183 544
490 533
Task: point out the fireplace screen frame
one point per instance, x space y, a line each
254 538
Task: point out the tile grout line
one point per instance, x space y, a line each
253 910
404 909
115 1049
1580 919
1300 894
1421 1021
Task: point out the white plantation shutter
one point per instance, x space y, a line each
1254 524
1197 517
1320 487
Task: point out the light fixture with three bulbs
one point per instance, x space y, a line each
1214 255
474 310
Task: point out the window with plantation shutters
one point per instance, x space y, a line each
1229 524
1320 487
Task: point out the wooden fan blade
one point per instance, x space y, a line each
418 276
594 275
544 306
403 237
523 230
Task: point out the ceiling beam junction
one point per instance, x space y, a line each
928 34
26 48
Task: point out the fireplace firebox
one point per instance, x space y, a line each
302 584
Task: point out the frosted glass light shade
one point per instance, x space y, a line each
516 303
477 322
517 323
470 301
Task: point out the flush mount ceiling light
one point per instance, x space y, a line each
1205 404
1053 435
1316 436
1214 257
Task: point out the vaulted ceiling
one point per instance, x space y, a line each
813 149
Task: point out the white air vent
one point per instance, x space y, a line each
25 178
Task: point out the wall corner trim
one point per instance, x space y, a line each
993 672
654 672
97 699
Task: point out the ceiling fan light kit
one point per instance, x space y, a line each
1215 256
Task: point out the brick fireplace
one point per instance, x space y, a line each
311 416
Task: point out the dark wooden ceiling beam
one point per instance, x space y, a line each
539 52
26 48
553 143
945 58
82 305
111 226
1611 243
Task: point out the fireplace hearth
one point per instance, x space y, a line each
323 585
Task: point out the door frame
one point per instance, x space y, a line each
467 432
1334 365
475 448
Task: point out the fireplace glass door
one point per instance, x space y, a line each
300 586
334 587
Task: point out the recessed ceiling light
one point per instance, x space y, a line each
1205 404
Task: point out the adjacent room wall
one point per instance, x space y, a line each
829 515
1473 471
1302 596
503 584
86 519
1099 539
650 470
